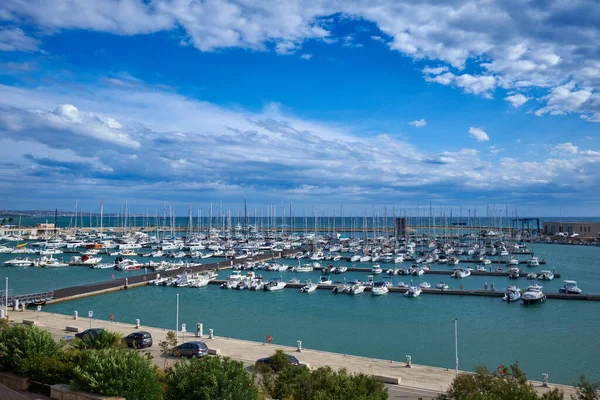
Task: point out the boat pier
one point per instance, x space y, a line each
455 292
523 274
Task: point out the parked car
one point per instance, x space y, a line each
268 361
191 349
138 340
88 332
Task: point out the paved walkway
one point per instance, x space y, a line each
418 380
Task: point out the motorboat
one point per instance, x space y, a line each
365 259
355 258
486 261
533 262
85 260
275 284
441 286
309 287
417 271
531 275
53 263
19 262
413 291
512 294
533 294
357 288
127 264
570 287
461 273
398 259
339 270
546 275
294 280
324 280
453 261
392 271
425 285
401 284
303 268
376 270
340 288
379 288
481 268
513 273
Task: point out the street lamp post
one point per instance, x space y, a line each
177 320
6 300
456 342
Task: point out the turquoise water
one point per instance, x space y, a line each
557 337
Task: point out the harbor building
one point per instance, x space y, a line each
580 229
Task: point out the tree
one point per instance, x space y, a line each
18 343
117 372
586 390
209 378
167 344
483 385
102 339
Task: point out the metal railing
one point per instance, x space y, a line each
25 298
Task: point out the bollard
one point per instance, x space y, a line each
210 334
408 361
545 380
299 349
75 314
199 329
137 324
126 282
2 315
16 305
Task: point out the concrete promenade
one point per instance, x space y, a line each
415 382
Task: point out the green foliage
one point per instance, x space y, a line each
279 361
587 390
4 324
209 378
483 385
300 383
19 343
117 372
102 340
167 344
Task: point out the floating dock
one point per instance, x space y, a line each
455 292
523 274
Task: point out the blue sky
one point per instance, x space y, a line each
457 103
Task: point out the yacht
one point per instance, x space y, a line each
546 275
533 295
533 262
324 280
309 287
376 270
413 291
357 288
127 265
379 288
19 262
303 268
85 260
512 294
53 263
275 284
570 287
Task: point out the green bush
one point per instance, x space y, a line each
511 384
326 384
209 378
20 343
117 372
587 390
102 340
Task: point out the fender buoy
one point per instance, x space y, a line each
269 339
501 369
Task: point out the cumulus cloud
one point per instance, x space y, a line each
419 123
517 100
14 39
478 134
565 149
534 45
306 56
565 98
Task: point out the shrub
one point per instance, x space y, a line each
587 390
511 384
19 343
325 383
102 340
210 378
117 372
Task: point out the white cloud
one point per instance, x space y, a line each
517 100
565 98
565 149
306 56
515 45
478 134
419 123
378 38
434 70
14 39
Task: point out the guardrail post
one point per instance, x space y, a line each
75 314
